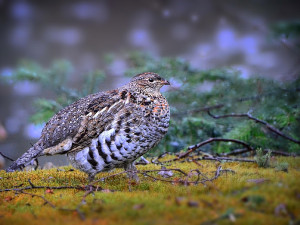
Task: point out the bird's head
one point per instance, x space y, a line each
149 82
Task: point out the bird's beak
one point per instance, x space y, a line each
165 82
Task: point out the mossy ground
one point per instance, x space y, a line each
239 197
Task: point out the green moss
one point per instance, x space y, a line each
249 196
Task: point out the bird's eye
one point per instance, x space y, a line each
151 80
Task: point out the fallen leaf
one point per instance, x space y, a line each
132 182
49 191
8 198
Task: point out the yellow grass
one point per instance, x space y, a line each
230 198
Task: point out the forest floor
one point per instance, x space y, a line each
241 193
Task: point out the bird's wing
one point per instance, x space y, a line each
79 122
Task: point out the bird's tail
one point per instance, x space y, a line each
26 158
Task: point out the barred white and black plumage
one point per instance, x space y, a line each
106 130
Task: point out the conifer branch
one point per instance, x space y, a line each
249 116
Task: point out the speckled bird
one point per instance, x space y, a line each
106 130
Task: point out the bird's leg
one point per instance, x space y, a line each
131 171
91 177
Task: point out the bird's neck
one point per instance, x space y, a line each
142 91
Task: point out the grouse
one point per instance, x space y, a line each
106 130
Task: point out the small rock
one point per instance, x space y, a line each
48 166
165 173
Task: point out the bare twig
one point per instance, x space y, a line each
207 108
242 151
225 159
90 189
82 202
176 169
155 160
236 152
281 153
6 157
81 214
185 181
32 186
249 116
40 196
195 147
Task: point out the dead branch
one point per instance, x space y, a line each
225 159
6 157
249 116
281 153
236 152
273 152
195 147
186 180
